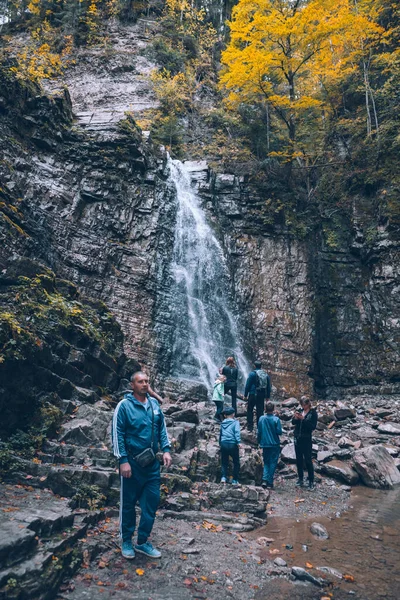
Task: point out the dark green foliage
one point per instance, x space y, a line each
88 496
8 462
167 57
168 131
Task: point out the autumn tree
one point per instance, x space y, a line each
280 51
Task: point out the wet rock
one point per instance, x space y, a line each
15 542
244 499
344 413
340 470
345 442
233 523
365 433
330 571
285 415
343 454
324 456
290 403
392 450
376 467
303 575
76 432
187 415
391 428
288 453
319 531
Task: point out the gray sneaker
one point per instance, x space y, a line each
127 550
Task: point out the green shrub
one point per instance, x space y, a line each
88 496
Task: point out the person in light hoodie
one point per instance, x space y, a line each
218 397
229 440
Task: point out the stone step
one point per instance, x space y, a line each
15 542
65 480
38 546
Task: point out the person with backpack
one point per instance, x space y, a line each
229 440
257 390
269 430
304 421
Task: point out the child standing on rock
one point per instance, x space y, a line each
229 440
269 430
218 397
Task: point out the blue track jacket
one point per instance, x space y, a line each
269 430
131 428
229 432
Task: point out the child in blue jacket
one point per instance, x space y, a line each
229 440
269 430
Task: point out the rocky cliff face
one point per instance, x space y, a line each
87 195
92 199
322 319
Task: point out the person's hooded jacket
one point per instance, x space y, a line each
132 427
229 432
218 392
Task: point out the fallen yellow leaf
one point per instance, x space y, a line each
140 572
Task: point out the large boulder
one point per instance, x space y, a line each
187 415
288 453
340 470
376 467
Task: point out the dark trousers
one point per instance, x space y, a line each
255 400
219 406
303 449
271 457
227 450
233 390
143 487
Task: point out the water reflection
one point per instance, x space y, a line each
364 543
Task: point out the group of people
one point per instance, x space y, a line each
139 432
257 390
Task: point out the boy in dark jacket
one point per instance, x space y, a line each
269 430
229 440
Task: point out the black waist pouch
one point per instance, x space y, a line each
145 458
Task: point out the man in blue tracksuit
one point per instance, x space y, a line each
269 430
138 424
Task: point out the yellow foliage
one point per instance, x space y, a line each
37 60
174 92
285 53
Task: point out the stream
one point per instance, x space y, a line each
364 544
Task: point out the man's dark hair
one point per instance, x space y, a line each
269 407
257 364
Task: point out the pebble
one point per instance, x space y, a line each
320 531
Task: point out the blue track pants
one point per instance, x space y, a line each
143 487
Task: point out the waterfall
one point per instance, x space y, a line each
206 330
